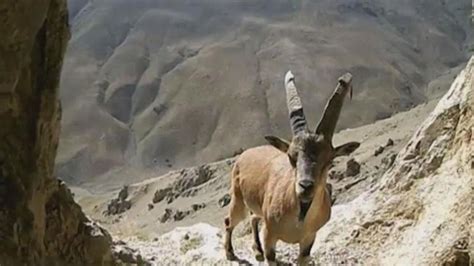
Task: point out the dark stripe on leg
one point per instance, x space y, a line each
257 238
307 250
270 255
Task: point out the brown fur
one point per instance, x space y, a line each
263 182
284 184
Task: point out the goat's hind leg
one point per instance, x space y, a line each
236 215
269 242
257 246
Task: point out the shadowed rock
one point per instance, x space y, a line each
352 167
40 224
379 150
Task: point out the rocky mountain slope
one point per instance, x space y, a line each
149 86
410 203
40 224
175 193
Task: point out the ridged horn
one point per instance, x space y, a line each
295 108
333 108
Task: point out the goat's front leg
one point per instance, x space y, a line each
305 249
269 243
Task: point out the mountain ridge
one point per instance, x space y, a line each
168 83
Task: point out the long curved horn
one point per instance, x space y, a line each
295 108
333 107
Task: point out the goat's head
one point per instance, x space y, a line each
311 152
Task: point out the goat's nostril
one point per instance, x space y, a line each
306 184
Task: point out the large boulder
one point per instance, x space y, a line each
424 200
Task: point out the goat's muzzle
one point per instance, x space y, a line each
305 190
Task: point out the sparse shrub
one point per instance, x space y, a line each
188 243
161 194
379 150
120 204
166 216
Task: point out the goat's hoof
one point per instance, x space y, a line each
258 252
259 256
304 260
230 256
271 263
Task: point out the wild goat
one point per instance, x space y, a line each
285 183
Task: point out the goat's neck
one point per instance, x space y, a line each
316 203
320 191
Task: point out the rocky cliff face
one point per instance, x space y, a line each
40 224
419 212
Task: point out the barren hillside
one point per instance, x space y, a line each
150 86
412 208
215 181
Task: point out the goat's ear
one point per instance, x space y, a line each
346 149
278 143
